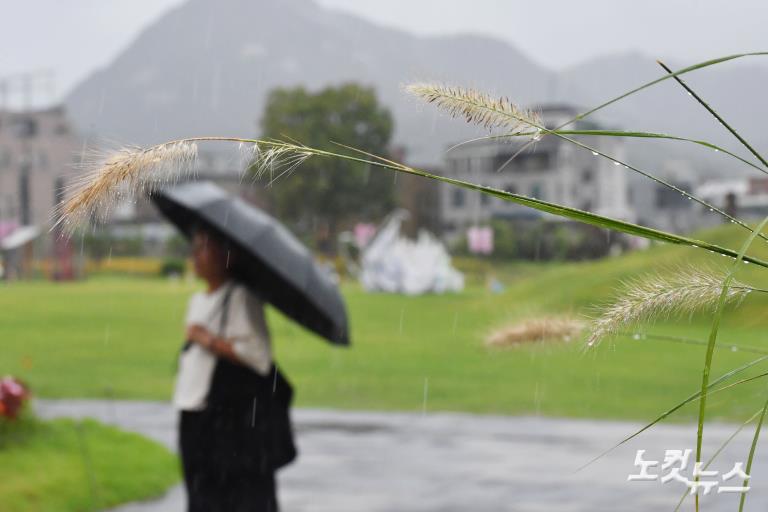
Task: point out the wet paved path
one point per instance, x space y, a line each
402 462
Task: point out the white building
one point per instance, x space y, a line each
746 198
38 150
552 169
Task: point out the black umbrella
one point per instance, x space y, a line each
271 261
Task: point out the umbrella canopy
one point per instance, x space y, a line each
271 261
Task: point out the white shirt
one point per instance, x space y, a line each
246 328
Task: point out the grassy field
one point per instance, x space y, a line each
113 337
67 466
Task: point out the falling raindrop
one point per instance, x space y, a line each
215 89
100 109
426 394
734 348
636 336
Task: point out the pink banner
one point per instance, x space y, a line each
480 240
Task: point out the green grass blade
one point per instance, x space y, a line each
694 67
664 183
689 341
548 207
693 397
739 382
715 115
634 134
553 208
719 451
474 104
713 338
751 457
564 134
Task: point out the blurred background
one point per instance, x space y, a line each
447 289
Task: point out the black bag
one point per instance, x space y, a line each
251 413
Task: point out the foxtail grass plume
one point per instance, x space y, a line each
554 328
278 159
109 176
477 107
129 171
683 292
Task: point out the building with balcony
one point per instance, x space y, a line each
551 169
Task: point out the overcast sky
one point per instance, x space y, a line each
59 35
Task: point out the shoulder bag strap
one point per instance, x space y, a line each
225 310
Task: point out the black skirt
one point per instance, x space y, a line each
217 457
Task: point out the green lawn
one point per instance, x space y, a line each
68 466
113 337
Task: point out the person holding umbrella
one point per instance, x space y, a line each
224 324
235 428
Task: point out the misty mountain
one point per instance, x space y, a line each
205 68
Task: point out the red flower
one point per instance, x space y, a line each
13 394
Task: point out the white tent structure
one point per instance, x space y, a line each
392 263
16 252
19 237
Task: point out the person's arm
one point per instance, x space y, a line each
209 341
248 341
